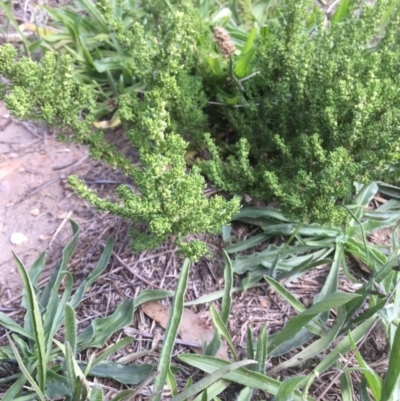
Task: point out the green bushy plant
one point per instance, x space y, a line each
322 112
169 198
318 112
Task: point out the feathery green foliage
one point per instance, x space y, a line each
323 111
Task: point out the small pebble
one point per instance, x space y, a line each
34 212
18 238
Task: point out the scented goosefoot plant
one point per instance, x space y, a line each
309 109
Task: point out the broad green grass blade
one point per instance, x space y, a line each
228 283
393 374
101 328
69 367
213 390
209 380
37 268
259 213
219 324
247 244
96 394
37 324
288 387
25 371
171 331
15 24
215 343
171 383
373 379
54 316
295 324
14 327
315 347
261 353
112 350
342 348
243 376
101 265
152 295
15 389
341 12
70 328
295 303
126 374
26 397
249 344
346 387
331 282
55 278
245 395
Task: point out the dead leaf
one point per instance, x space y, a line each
42 32
106 124
192 328
9 168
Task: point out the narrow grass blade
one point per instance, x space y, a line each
112 350
55 278
25 371
393 373
295 303
101 265
228 283
341 12
344 346
37 324
209 380
14 327
373 379
213 390
152 295
171 331
247 244
245 395
295 324
346 387
331 282
69 368
316 347
261 353
15 389
219 324
243 376
70 328
288 387
215 343
249 344
54 315
364 395
15 24
101 328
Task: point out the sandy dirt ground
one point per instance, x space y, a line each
35 200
